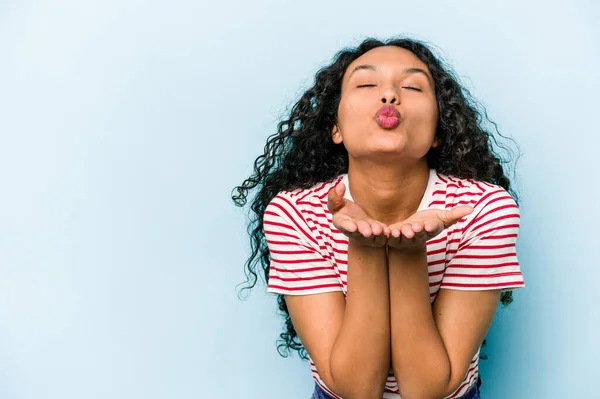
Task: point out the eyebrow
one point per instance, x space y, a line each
412 70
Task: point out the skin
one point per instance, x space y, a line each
387 317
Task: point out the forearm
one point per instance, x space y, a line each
419 357
360 358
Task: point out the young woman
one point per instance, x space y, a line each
385 223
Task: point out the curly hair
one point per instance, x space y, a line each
302 153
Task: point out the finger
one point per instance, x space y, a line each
386 230
418 229
421 236
433 228
380 240
364 228
407 231
417 226
453 215
395 232
377 228
348 225
335 198
392 240
357 236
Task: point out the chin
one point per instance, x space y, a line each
388 145
379 153
380 143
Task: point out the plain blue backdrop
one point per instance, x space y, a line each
124 125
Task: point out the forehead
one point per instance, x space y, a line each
387 57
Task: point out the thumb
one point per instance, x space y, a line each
453 215
335 198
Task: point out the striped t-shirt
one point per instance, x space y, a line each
309 255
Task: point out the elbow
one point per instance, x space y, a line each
433 385
359 390
451 385
451 381
354 384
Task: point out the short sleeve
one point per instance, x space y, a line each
297 265
486 256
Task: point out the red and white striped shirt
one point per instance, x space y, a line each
309 255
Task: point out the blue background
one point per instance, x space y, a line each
125 124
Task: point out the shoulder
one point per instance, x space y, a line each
494 209
303 203
478 194
301 213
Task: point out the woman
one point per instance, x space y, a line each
384 222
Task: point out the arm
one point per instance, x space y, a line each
432 354
348 339
432 349
349 342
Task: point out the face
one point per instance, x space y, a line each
395 77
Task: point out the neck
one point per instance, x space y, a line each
387 193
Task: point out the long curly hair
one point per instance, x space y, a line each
302 153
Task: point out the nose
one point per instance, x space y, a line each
390 96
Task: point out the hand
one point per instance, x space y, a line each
351 220
412 234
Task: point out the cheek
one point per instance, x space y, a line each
353 113
352 105
426 113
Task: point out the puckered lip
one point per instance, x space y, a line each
388 111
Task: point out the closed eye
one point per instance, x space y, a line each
366 86
411 88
